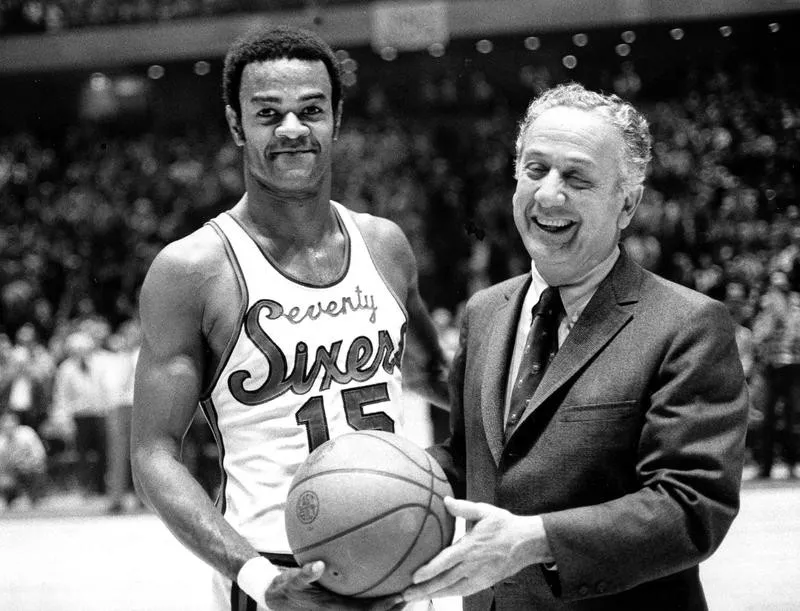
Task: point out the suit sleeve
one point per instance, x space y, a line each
451 453
688 466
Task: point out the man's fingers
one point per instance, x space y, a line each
446 559
465 509
429 589
459 588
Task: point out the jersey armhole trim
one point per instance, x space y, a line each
210 415
372 258
229 346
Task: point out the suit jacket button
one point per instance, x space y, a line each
601 587
583 590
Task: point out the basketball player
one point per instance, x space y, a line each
286 319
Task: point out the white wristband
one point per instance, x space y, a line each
256 576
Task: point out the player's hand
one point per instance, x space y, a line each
498 545
296 589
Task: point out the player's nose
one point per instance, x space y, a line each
291 127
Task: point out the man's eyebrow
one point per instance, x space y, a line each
573 159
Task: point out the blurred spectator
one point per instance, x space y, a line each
26 378
736 300
119 367
741 313
627 83
447 329
776 335
80 401
22 460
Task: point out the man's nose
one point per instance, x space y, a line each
291 127
550 191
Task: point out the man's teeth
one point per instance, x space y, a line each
554 223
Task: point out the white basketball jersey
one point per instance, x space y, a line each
306 364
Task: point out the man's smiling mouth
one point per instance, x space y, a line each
553 225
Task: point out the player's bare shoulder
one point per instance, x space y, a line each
191 281
390 250
188 263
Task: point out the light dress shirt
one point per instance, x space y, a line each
575 298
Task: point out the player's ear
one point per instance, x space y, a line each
235 125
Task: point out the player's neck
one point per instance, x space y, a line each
300 214
295 220
306 243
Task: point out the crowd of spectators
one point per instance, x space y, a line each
83 214
29 16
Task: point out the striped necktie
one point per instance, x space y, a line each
540 348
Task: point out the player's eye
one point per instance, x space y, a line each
310 111
266 113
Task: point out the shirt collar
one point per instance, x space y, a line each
576 296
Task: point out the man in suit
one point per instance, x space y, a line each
608 484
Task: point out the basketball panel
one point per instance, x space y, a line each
376 450
331 503
429 543
359 561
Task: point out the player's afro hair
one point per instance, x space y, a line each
277 42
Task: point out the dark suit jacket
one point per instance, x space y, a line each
631 449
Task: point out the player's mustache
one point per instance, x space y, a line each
293 147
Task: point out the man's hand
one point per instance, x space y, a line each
498 545
295 589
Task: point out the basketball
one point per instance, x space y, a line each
370 505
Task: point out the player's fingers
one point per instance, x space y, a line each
310 572
389 603
465 509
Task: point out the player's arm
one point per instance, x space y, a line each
424 362
426 367
167 388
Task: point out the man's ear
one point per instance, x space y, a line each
632 198
235 125
337 120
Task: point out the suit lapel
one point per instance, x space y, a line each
500 347
602 319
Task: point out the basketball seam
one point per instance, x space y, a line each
362 470
413 543
370 433
359 526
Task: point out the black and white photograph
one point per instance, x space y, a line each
382 305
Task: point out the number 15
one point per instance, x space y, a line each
312 414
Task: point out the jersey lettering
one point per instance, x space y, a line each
333 308
361 362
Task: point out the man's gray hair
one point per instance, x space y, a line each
632 125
